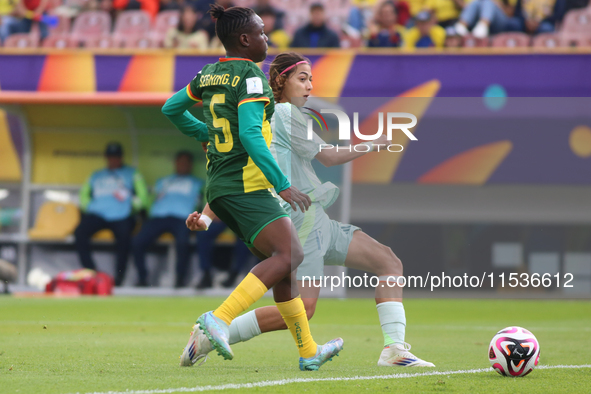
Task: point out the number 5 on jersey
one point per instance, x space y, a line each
222 123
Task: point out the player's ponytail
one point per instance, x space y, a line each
216 11
231 23
280 71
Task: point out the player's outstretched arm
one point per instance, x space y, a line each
334 157
175 110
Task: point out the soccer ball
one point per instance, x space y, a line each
514 352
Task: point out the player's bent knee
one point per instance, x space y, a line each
394 263
297 255
286 263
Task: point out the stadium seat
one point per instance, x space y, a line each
55 220
511 40
141 42
91 25
577 21
104 235
548 40
293 21
245 3
63 27
166 238
576 28
131 24
286 4
576 39
472 42
99 42
22 40
164 21
59 41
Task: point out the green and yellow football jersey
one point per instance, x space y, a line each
223 87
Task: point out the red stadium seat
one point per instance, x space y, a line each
576 28
99 42
245 3
132 23
90 26
22 40
511 40
547 40
63 26
287 4
293 21
164 21
141 42
472 42
59 41
577 21
576 39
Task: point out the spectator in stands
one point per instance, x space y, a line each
446 12
169 5
25 13
362 11
206 21
98 5
386 32
572 5
266 6
316 34
426 33
189 33
487 17
107 201
6 10
540 16
359 12
150 6
175 197
278 38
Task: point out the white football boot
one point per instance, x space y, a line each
397 355
197 348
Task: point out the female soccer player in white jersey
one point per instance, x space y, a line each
325 241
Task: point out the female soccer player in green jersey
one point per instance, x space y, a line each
325 241
238 105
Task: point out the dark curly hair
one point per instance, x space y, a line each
280 63
231 23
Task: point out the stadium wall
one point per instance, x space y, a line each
336 73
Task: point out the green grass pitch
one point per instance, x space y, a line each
117 344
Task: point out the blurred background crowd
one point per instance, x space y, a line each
186 24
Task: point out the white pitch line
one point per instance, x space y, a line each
268 383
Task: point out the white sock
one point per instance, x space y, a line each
244 327
393 321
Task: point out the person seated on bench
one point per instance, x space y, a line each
107 202
175 197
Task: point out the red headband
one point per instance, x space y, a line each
290 67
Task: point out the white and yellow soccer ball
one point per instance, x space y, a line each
514 352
